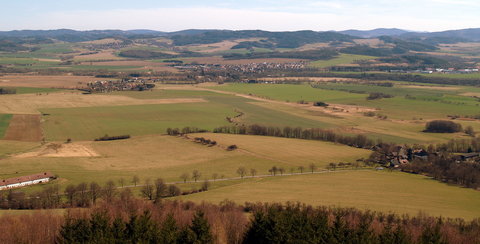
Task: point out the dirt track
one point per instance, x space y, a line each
24 127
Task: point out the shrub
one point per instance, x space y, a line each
442 126
378 95
320 104
232 147
111 138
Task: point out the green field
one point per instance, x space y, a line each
88 123
12 147
342 59
92 122
426 103
379 191
291 93
4 122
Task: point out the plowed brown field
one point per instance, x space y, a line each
24 127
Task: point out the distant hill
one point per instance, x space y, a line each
284 39
451 35
375 32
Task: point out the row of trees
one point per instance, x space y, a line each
140 221
442 161
87 194
360 141
446 168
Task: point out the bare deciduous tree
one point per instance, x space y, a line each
185 177
160 189
121 181
214 176
109 191
147 190
82 193
95 191
205 185
312 167
173 190
196 175
70 192
301 168
242 171
135 180
253 172
273 170
332 166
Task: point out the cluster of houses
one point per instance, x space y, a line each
21 181
120 85
111 45
399 155
438 70
244 68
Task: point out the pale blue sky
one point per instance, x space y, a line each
421 15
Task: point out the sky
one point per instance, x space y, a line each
273 15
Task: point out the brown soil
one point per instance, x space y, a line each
40 81
24 127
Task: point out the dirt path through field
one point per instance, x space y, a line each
24 127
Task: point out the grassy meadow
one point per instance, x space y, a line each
87 123
165 157
380 191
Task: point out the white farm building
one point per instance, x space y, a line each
25 180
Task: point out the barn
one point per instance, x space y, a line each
25 180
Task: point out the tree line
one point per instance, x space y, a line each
359 141
447 168
88 194
440 161
131 220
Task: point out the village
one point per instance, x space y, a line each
135 84
438 70
250 68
